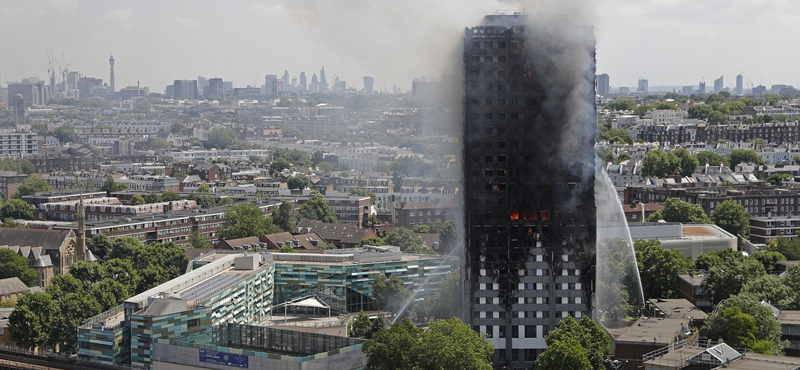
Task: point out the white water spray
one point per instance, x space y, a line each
618 291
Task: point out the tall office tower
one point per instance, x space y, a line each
202 82
271 85
643 85
528 161
215 88
739 85
19 110
369 81
603 84
184 89
323 82
702 87
303 85
286 80
111 81
718 85
314 87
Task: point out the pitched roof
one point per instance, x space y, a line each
334 232
240 243
301 241
47 239
12 285
43 261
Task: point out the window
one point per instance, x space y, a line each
530 331
487 59
515 331
193 323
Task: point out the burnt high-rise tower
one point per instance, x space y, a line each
529 129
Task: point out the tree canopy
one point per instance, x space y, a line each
243 220
32 185
734 328
403 238
389 293
14 265
582 343
446 344
316 209
744 156
676 210
659 268
732 218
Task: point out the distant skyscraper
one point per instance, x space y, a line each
271 85
718 85
286 81
686 90
314 88
323 82
739 85
303 84
643 85
202 82
111 80
530 215
184 89
760 89
19 110
369 81
603 84
215 88
702 87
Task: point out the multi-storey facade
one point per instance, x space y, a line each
529 131
18 144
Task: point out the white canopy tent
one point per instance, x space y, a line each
307 301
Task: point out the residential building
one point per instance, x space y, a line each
643 86
426 213
11 288
763 229
646 335
530 215
10 181
18 144
719 85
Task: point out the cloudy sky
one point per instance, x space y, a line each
670 42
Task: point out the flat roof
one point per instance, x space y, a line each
653 330
679 308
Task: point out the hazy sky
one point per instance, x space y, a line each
670 42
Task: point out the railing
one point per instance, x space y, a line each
87 324
56 360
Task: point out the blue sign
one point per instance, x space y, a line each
221 358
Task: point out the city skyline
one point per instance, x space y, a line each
155 44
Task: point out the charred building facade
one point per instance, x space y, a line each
529 130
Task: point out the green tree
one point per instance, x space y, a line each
778 178
205 201
688 162
152 198
421 229
705 261
374 241
790 248
587 334
221 138
450 237
284 217
732 218
197 240
712 159
18 165
17 209
676 210
203 188
699 111
14 265
30 322
363 327
373 220
298 182
655 217
279 165
287 249
403 238
170 196
624 156
243 220
446 344
123 247
767 326
365 193
728 279
441 304
99 245
743 156
768 259
772 289
32 185
65 133
316 209
564 354
137 200
389 293
660 164
619 105
659 268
